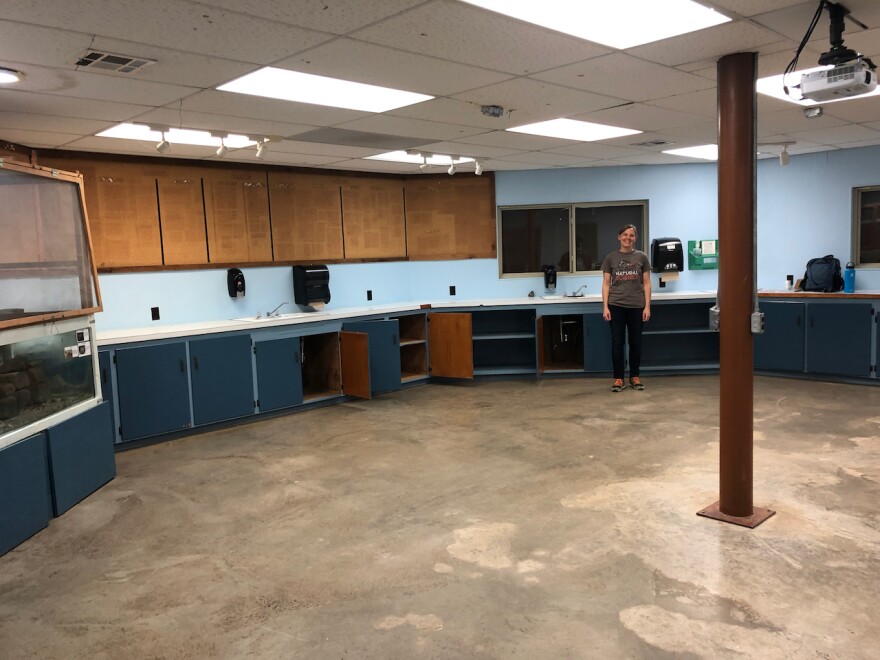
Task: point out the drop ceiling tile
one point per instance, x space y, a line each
139 147
86 85
597 150
502 165
640 117
661 159
855 109
702 103
41 138
518 141
70 125
874 125
839 135
792 121
276 157
186 118
58 48
463 33
379 65
465 113
772 142
754 7
337 17
861 143
287 112
532 100
793 21
614 75
700 132
361 165
172 23
331 151
410 127
467 148
547 158
57 106
711 43
866 42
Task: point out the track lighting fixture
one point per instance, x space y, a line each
424 164
164 146
261 150
451 169
783 156
478 168
222 150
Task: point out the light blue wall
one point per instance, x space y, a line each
804 211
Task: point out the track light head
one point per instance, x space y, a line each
164 146
222 150
451 169
424 164
261 150
783 156
478 168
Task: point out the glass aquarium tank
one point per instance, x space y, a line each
48 296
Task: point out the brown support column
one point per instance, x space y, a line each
737 148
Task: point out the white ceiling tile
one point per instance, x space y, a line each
512 166
53 105
518 141
379 65
42 138
277 157
466 148
171 24
713 43
462 33
410 127
704 103
337 17
861 143
139 147
753 7
70 125
792 121
288 112
546 158
466 113
532 100
362 165
334 152
58 48
793 21
613 75
700 132
772 143
661 159
595 150
839 135
640 117
855 109
186 118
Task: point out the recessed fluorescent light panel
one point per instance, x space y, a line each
403 157
307 88
615 23
174 135
772 86
703 152
571 129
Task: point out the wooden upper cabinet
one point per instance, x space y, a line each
182 216
450 218
306 217
237 216
373 218
122 208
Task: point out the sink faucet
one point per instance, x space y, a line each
577 293
274 312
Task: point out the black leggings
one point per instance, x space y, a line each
623 319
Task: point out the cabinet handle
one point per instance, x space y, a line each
103 375
798 321
394 340
196 361
182 365
811 321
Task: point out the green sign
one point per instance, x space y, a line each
703 255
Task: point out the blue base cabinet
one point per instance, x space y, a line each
597 343
781 346
222 378
153 390
81 457
24 491
384 352
279 373
839 338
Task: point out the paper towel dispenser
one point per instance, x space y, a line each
667 255
311 284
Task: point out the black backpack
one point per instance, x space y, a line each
823 274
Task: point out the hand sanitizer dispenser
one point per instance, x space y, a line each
235 283
549 277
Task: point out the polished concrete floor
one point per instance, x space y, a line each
501 519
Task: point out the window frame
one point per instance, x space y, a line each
857 226
572 213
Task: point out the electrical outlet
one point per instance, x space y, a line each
369 294
154 311
451 290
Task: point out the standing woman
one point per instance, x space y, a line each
626 303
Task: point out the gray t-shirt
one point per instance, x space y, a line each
627 277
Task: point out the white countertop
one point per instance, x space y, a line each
152 333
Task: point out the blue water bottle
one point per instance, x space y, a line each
849 278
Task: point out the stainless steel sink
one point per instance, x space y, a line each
282 317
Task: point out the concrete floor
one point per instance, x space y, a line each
546 519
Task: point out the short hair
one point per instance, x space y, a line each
625 227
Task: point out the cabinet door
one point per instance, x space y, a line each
451 345
355 352
24 491
182 217
374 225
105 366
781 346
222 378
384 347
597 343
279 373
153 390
237 216
306 217
839 338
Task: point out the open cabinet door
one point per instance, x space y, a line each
451 345
540 331
355 352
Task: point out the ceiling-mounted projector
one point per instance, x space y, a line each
839 82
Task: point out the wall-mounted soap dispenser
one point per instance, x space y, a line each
235 283
549 277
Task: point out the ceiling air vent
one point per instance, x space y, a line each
652 143
111 62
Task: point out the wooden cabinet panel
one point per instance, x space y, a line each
355 349
373 219
451 218
306 217
450 345
237 216
122 208
182 218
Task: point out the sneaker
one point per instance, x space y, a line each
636 383
618 385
